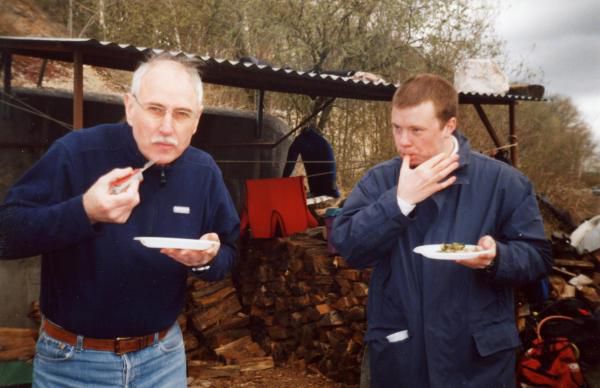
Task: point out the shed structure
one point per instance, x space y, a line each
234 73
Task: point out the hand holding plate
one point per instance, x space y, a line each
488 244
194 258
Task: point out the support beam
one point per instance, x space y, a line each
7 70
77 90
42 72
512 135
260 108
488 125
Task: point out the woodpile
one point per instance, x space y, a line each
17 344
216 332
306 306
574 274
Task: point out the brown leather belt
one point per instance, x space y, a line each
119 345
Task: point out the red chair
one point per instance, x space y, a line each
276 206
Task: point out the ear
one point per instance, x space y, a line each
450 126
128 102
200 109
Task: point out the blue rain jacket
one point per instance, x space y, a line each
460 322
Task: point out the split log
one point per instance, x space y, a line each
256 363
17 344
201 370
573 263
203 319
278 332
240 349
182 321
202 288
361 290
190 342
205 300
332 318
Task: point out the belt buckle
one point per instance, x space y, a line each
118 345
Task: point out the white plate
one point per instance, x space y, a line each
175 243
433 251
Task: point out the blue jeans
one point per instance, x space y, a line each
58 364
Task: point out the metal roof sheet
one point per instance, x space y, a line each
225 72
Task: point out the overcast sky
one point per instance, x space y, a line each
562 39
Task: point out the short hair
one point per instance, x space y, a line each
428 87
190 65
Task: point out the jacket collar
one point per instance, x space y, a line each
462 176
464 153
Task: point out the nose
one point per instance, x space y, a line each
403 138
166 125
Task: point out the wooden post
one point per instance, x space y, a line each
487 124
77 90
42 72
512 137
260 108
6 68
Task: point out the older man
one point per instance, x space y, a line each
441 323
109 303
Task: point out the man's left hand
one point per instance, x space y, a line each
483 260
195 258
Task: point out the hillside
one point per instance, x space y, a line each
24 18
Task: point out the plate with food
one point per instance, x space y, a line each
176 243
450 251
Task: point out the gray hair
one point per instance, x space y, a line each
189 65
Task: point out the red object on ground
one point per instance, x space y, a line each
276 203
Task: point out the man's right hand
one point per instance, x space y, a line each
429 177
102 206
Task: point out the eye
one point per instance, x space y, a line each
182 115
155 110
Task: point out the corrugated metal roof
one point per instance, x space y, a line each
225 72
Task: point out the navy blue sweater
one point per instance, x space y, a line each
96 280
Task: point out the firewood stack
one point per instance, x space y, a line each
17 343
306 306
217 332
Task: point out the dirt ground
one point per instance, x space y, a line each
278 377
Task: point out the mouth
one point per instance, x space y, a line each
162 145
414 159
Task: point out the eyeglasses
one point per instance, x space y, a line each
157 112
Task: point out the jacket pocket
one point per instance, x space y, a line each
385 308
495 338
392 363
